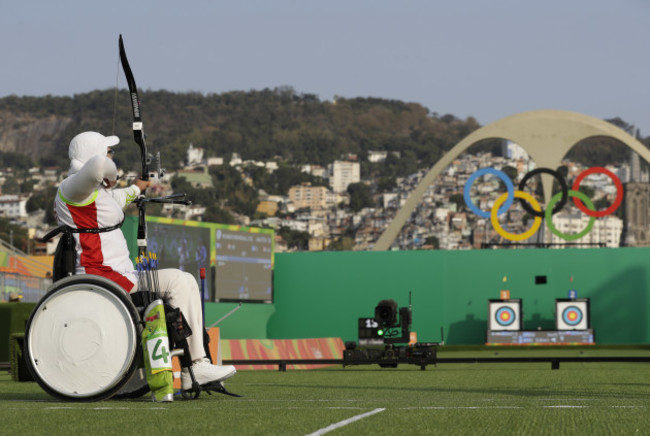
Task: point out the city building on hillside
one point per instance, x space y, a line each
280 245
380 156
215 161
633 171
317 244
194 155
268 207
513 151
636 204
390 199
315 170
606 230
51 174
271 166
342 174
377 156
235 160
307 196
13 206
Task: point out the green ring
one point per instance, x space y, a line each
549 215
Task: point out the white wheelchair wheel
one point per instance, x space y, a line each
82 339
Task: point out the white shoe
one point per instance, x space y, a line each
205 372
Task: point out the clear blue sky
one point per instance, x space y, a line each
482 58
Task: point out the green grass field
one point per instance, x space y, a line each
450 399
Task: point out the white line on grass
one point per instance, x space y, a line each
276 400
459 407
567 399
344 422
101 408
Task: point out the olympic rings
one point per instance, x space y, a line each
619 192
557 177
500 174
530 204
549 218
511 236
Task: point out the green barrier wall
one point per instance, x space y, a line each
323 294
248 322
13 319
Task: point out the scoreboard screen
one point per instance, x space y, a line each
244 266
182 247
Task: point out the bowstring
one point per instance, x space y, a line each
117 78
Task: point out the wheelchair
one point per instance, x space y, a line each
82 342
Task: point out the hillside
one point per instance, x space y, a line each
279 123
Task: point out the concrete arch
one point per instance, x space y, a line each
547 135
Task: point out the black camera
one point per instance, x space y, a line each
390 318
386 313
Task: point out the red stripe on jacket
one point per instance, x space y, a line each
92 258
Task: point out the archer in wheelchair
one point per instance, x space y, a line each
82 340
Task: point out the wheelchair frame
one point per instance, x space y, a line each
64 345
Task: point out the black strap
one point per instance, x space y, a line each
105 229
64 228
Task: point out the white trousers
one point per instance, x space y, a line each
183 292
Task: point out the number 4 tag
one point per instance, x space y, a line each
158 350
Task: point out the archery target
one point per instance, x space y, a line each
572 314
504 315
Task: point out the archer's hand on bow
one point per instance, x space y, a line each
142 184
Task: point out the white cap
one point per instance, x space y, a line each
87 145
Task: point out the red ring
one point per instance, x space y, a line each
619 192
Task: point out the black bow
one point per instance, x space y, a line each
145 158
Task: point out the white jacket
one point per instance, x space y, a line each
82 202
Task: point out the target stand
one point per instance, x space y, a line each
572 314
504 315
572 324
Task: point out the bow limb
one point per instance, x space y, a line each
138 133
139 137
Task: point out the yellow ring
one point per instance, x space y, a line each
511 236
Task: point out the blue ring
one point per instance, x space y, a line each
565 315
499 174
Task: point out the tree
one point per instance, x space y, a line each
11 186
433 241
459 200
510 172
587 190
386 184
11 232
360 196
215 214
344 243
42 200
294 238
15 160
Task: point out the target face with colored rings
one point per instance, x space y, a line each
505 316
572 315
